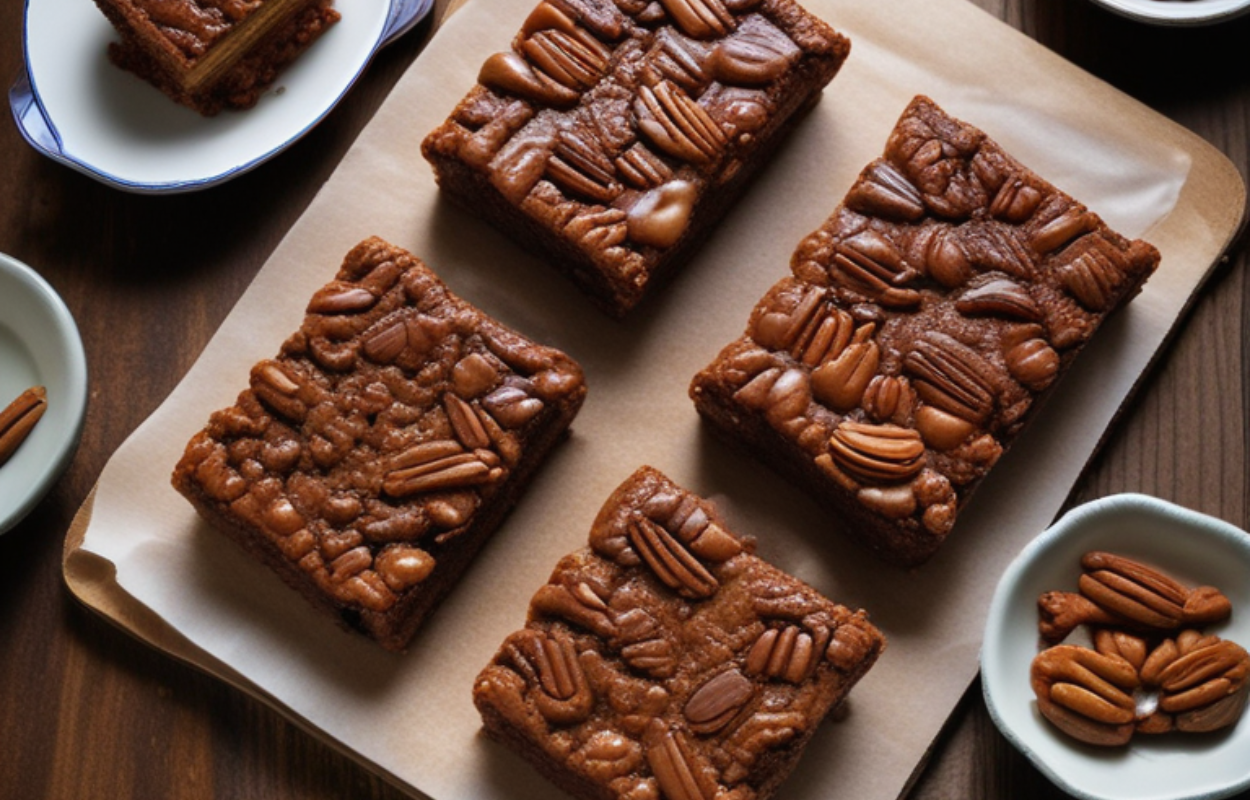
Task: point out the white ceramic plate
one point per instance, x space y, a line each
1178 12
39 345
78 109
1193 548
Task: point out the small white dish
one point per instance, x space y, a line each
39 345
1195 549
1177 12
74 106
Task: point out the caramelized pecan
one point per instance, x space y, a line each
883 191
718 701
669 559
678 125
951 376
1086 694
877 454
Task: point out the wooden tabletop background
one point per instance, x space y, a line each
87 712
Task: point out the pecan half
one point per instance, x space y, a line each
642 168
716 703
549 664
869 263
883 191
563 50
1146 597
1093 279
669 559
789 654
1060 613
756 55
701 19
680 60
678 125
436 466
579 167
18 419
951 376
643 644
1086 694
679 772
510 73
1204 684
840 384
999 298
877 454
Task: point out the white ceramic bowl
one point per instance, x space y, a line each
75 107
1178 12
39 344
1195 549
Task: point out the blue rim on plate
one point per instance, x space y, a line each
46 132
1192 547
39 344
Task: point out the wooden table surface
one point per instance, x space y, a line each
87 712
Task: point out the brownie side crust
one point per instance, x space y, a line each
614 172
369 460
925 323
667 660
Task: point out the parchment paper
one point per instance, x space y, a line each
147 563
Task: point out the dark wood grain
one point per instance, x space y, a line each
87 712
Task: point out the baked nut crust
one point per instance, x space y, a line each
612 136
369 461
924 323
667 660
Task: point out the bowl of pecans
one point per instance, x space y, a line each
43 389
1114 654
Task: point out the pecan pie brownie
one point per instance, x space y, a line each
666 660
213 54
924 322
612 136
370 460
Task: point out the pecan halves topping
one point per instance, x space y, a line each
869 263
841 382
580 168
788 654
999 298
18 419
1093 278
549 664
811 332
1145 597
1086 694
718 702
510 73
677 124
641 168
885 192
439 465
675 566
278 390
563 50
877 454
951 376
755 56
679 772
579 605
701 19
680 60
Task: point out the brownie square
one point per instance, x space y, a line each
666 660
612 136
372 457
924 323
213 54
